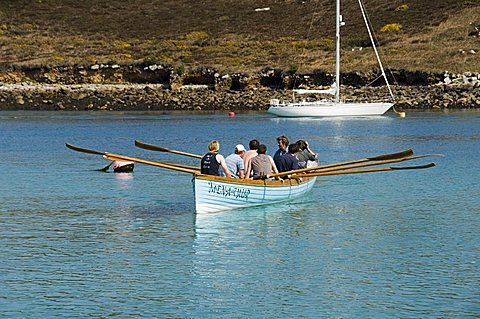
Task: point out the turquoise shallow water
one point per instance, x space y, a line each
76 243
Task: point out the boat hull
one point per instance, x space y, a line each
215 194
326 109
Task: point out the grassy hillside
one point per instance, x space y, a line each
231 36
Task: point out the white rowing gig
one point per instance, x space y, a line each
216 193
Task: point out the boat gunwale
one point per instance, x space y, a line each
251 182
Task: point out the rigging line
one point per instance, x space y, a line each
362 8
375 38
308 37
374 80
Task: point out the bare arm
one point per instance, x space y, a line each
248 169
241 173
221 160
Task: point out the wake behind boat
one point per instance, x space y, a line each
324 108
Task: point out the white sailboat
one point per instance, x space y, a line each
334 107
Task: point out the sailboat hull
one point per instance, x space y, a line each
325 109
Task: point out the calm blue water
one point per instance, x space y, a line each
77 243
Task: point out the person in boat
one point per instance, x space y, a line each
253 147
289 161
235 162
212 161
306 158
262 165
282 142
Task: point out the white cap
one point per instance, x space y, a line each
239 148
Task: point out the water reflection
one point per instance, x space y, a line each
124 180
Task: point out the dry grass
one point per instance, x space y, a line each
231 36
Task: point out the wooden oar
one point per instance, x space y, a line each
383 157
163 149
118 157
345 167
370 170
83 150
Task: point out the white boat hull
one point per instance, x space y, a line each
215 194
324 109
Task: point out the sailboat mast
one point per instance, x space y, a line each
338 19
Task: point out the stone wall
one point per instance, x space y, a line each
157 87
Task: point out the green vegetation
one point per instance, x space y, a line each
231 36
402 7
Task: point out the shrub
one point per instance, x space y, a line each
150 59
402 7
3 28
293 68
121 44
197 37
180 69
391 27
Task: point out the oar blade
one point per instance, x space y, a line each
383 157
83 150
413 167
104 169
157 148
150 147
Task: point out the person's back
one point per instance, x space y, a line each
253 145
261 165
289 161
212 161
209 164
235 162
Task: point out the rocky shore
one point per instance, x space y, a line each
161 88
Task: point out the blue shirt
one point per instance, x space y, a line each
234 164
287 162
276 157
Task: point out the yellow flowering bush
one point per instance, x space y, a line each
121 44
391 27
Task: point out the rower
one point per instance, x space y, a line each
212 161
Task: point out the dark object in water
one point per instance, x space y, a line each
123 167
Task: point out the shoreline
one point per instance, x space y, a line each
158 88
154 97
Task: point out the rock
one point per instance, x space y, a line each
19 100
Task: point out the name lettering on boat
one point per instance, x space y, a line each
229 191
